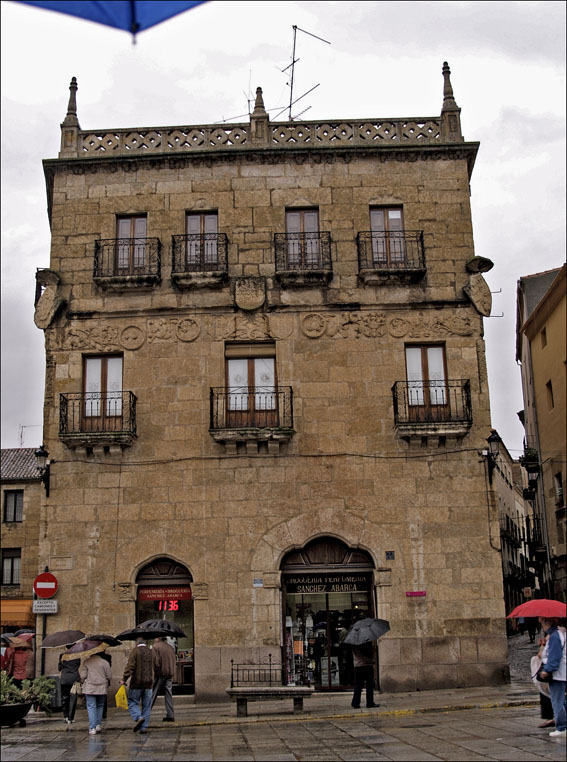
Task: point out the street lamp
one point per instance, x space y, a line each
493 449
41 456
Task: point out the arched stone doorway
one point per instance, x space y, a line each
326 586
164 592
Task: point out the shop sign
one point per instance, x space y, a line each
327 583
45 606
179 593
415 593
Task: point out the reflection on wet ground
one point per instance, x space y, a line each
492 734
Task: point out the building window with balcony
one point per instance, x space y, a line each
130 244
131 260
303 252
202 245
388 242
427 403
13 506
252 407
426 380
102 386
388 252
251 386
11 566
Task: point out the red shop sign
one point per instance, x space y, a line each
164 593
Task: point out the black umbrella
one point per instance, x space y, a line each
110 640
365 631
24 630
6 636
62 638
153 628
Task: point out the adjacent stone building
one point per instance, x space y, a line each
20 484
541 350
266 400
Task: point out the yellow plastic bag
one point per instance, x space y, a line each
121 698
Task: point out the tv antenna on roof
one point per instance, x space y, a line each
291 66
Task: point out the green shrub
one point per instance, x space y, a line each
38 692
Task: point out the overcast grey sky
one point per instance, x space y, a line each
508 74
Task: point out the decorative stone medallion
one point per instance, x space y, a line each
132 337
249 293
478 292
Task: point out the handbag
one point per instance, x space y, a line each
548 676
76 689
121 698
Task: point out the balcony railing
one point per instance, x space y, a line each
431 403
137 260
394 254
510 531
200 252
97 417
251 407
303 253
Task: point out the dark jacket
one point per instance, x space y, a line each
139 667
164 659
363 656
69 671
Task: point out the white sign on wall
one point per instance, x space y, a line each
45 606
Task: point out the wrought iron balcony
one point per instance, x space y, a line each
199 259
122 263
303 259
427 408
97 419
510 531
251 413
390 256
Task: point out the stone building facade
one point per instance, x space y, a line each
266 396
21 489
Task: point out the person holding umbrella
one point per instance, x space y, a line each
360 637
95 675
163 656
139 669
69 674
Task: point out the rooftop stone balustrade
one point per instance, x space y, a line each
260 133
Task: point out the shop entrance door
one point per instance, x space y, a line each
326 588
315 629
164 592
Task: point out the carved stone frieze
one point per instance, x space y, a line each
109 338
377 325
173 329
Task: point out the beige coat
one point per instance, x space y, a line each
95 676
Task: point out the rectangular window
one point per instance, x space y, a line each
302 228
202 242
11 566
543 336
251 385
102 380
131 244
549 390
13 505
388 242
426 381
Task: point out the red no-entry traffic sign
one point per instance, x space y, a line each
45 585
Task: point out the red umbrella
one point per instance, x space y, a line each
539 607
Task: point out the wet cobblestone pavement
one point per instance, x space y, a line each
461 725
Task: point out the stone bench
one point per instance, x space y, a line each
242 695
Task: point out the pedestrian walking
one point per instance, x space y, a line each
554 665
95 675
107 658
21 665
163 657
363 659
139 669
69 674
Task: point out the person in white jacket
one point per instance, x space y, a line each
95 676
